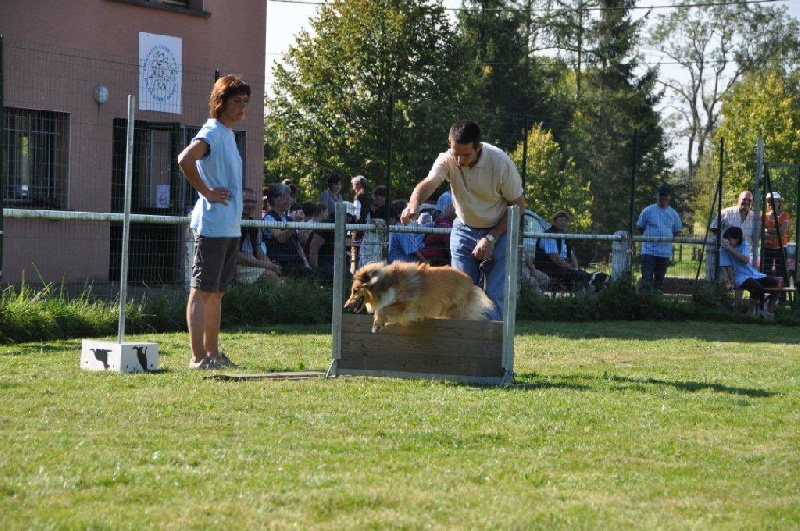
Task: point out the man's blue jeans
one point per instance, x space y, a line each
654 269
463 240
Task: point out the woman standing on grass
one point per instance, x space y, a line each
734 256
213 166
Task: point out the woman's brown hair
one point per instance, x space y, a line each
225 87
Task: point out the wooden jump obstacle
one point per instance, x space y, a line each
480 352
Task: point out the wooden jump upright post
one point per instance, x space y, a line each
479 352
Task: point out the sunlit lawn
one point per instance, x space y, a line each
611 425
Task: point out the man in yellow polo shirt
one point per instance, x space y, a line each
484 181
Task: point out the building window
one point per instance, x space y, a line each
35 155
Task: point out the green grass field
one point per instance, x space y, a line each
634 425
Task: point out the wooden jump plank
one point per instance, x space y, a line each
464 348
437 336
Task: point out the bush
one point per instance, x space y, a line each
49 314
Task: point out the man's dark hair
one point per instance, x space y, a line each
380 191
334 177
465 132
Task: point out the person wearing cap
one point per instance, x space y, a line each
484 181
658 220
776 237
555 258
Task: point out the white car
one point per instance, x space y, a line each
532 222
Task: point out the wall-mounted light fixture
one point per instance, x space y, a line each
100 94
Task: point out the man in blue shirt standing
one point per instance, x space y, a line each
658 220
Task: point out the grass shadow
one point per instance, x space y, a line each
632 383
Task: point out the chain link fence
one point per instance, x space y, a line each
62 180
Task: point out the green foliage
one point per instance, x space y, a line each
29 315
762 105
616 132
553 184
332 97
714 46
47 314
511 84
620 301
286 301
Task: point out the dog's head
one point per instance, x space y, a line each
366 282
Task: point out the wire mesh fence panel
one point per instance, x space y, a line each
64 126
64 149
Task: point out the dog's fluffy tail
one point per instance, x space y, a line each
479 306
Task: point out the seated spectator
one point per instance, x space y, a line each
284 244
734 257
403 246
251 262
292 187
362 199
322 244
556 259
441 204
531 276
436 248
307 212
317 238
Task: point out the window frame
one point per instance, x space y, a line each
187 7
46 165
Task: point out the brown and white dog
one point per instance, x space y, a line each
403 292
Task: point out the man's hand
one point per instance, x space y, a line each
483 250
409 214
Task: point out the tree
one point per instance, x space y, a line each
616 130
492 32
331 104
762 105
714 46
553 183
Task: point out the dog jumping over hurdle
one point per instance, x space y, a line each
403 292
